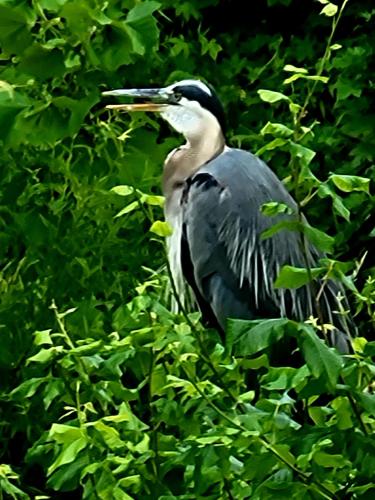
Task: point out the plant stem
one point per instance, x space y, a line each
295 171
205 356
323 61
305 478
68 340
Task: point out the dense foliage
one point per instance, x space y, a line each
104 392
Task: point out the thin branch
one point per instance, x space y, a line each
205 355
305 478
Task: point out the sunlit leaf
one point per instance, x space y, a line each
276 129
43 337
329 10
273 208
123 190
349 183
303 153
134 205
161 228
272 96
294 69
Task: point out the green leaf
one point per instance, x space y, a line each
318 415
151 199
161 228
343 412
320 240
134 205
293 69
11 103
28 388
276 143
304 154
63 434
290 225
50 122
78 18
68 454
349 183
110 435
123 190
142 10
329 10
272 96
42 63
327 460
294 108
52 5
318 78
273 208
68 475
250 337
63 314
321 360
325 190
45 355
340 208
15 25
297 76
76 109
43 337
276 129
284 451
367 401
292 78
295 277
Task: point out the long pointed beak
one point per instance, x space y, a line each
156 99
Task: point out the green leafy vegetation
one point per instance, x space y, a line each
105 393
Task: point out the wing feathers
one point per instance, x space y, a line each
234 268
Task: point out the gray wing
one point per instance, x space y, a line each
227 263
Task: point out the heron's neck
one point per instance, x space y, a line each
184 161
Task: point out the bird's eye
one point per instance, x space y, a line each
177 95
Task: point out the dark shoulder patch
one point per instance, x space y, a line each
205 180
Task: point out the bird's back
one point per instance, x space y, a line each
233 267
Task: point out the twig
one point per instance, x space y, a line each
305 478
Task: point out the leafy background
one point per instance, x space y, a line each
104 392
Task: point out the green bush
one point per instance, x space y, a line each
104 392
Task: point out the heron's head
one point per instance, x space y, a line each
190 106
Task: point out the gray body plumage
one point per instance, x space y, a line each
233 267
213 198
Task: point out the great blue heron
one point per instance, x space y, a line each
213 198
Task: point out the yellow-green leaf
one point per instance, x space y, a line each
129 208
271 96
293 69
329 10
161 228
152 199
349 183
43 337
123 190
